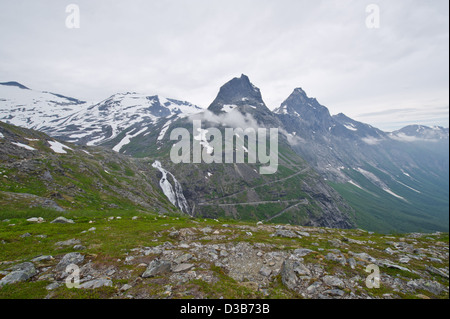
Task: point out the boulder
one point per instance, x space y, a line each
157 267
62 220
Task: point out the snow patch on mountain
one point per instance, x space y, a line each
57 147
164 130
127 139
387 190
350 127
27 147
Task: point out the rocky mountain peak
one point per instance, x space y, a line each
237 92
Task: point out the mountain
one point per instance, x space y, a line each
294 194
240 95
413 133
37 110
333 171
396 181
119 115
76 121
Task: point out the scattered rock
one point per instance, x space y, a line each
157 267
288 276
333 281
42 258
182 267
265 271
302 252
36 220
96 283
70 258
62 220
69 242
20 272
125 287
285 233
436 271
334 292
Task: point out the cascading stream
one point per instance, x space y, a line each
175 195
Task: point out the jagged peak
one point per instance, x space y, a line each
238 91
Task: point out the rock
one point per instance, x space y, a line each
223 253
174 234
404 260
353 241
183 258
182 267
303 233
70 258
92 229
36 220
157 267
390 251
430 286
79 247
265 271
311 289
53 285
96 283
364 256
435 260
288 277
335 243
126 287
285 233
333 281
334 292
389 264
42 258
25 235
336 258
129 259
20 272
352 262
436 271
301 269
206 230
69 242
302 252
62 220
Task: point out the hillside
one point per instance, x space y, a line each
39 173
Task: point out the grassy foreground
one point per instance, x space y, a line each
114 249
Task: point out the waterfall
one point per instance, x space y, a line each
175 195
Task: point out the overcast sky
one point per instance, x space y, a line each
389 76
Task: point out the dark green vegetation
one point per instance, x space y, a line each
377 210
